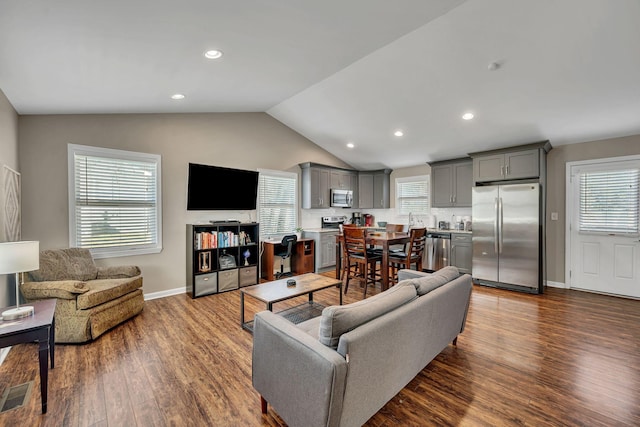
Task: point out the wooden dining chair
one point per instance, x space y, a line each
412 255
360 262
392 228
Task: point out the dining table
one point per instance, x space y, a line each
384 239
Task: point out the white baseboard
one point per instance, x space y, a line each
556 284
3 353
162 294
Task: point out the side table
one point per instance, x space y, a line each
39 327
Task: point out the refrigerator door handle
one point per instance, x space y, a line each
501 222
495 226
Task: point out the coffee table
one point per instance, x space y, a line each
276 291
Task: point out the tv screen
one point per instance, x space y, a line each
217 188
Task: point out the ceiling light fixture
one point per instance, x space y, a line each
350 145
177 96
467 116
213 54
398 133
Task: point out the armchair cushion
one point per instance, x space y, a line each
65 264
63 289
104 290
118 271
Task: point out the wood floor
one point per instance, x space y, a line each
565 358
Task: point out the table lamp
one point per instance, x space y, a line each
18 257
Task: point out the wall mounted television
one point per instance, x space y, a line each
216 188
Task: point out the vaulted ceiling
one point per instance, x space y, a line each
338 72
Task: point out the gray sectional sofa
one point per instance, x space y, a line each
339 369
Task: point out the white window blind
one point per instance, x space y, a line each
412 195
610 201
114 201
277 202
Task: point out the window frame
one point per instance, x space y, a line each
611 167
296 202
407 179
114 251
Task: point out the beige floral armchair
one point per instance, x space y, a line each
90 299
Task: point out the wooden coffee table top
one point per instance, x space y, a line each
277 290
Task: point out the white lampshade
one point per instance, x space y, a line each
18 257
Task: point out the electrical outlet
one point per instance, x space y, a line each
554 216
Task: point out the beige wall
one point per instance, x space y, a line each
238 140
556 198
9 157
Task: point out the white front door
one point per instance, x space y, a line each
603 213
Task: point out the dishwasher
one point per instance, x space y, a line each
437 251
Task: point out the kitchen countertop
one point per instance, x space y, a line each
328 230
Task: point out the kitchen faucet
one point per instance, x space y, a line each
410 220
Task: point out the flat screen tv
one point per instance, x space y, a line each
216 188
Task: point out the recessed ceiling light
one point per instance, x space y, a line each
213 54
467 116
350 145
398 133
177 96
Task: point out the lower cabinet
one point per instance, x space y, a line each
325 247
461 251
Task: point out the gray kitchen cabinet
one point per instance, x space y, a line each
315 186
325 247
318 180
506 164
461 251
343 180
374 189
365 191
451 183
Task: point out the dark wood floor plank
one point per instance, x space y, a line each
562 358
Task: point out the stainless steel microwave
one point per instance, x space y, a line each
341 198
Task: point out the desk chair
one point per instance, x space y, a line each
288 242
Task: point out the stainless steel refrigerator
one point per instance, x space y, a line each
507 236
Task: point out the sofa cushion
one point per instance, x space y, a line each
338 319
426 284
63 289
103 290
65 264
311 326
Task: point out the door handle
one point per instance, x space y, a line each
500 207
495 226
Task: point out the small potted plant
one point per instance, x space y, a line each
299 232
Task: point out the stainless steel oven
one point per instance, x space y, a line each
341 198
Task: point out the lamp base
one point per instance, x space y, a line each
17 313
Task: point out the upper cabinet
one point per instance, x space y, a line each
315 186
318 180
451 183
343 180
521 162
374 189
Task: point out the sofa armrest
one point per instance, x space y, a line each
118 272
411 274
63 289
301 378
